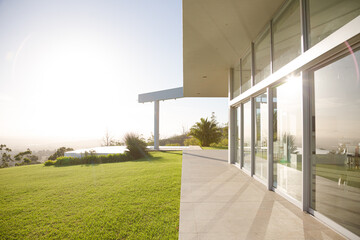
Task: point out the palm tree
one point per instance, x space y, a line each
206 131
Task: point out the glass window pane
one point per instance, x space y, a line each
261 136
236 81
287 34
287 126
336 144
246 72
238 135
247 136
262 57
326 16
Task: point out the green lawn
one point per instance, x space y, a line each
214 148
336 172
129 200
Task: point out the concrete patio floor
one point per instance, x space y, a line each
218 201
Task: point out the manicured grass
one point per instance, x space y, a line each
336 172
214 148
128 200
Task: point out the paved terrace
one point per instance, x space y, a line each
218 201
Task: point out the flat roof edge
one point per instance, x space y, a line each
171 93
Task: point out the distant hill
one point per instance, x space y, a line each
174 140
21 144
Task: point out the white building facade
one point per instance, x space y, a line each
291 71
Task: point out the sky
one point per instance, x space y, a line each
72 70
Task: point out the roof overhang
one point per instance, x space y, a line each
216 34
172 93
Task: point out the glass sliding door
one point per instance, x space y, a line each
247 135
336 142
261 136
287 142
238 136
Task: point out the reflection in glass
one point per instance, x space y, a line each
238 135
326 16
261 136
246 72
247 135
262 57
336 142
236 81
287 124
287 34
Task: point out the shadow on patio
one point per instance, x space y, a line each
218 201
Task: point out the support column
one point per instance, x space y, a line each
270 142
231 134
253 119
231 128
156 125
306 141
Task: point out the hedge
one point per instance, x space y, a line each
90 159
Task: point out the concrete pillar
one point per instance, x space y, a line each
156 124
270 139
231 133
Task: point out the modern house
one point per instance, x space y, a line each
291 72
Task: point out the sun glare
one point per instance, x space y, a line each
73 76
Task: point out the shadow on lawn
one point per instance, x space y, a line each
171 152
144 159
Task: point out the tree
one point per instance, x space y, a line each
25 158
18 157
275 120
289 142
5 156
60 153
206 131
108 140
150 140
26 161
225 131
33 158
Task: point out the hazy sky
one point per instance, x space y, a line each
70 70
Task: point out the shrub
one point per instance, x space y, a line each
191 142
49 162
63 161
172 144
222 143
136 145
